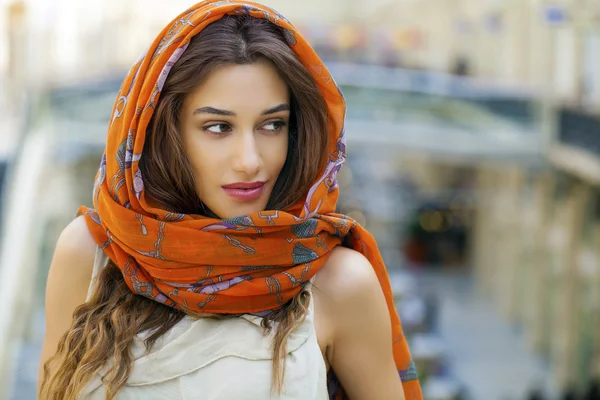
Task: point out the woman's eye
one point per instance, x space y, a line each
274 126
217 128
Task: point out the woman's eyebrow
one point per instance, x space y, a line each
281 107
217 111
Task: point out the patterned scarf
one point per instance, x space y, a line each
249 264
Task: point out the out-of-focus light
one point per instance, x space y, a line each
347 36
432 221
358 217
555 14
405 39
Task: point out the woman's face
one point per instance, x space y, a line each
235 133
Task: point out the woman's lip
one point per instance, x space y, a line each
245 194
244 185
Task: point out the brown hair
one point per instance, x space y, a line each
104 327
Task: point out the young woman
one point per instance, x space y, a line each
213 265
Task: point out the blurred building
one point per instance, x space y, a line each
553 45
548 44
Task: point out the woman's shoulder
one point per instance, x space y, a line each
68 281
73 259
76 240
346 273
344 290
350 307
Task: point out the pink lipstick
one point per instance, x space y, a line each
244 191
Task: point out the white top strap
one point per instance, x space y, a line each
100 261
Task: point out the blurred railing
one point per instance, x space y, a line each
517 104
579 129
576 145
440 113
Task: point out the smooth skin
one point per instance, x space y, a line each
248 143
235 129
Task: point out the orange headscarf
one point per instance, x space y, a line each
249 264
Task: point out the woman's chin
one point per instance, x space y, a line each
240 210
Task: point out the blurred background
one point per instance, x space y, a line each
474 157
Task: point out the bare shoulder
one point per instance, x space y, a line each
345 288
346 274
74 252
68 281
357 327
77 236
71 268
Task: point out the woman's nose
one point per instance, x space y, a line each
247 157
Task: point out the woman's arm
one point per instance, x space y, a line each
360 344
68 281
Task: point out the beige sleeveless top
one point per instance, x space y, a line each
218 359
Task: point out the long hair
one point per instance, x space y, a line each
104 327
